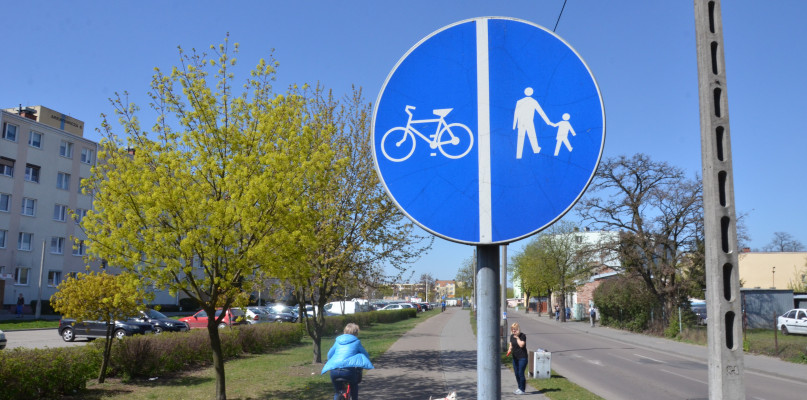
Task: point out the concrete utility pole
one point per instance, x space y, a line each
488 352
724 331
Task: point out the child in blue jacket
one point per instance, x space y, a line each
346 359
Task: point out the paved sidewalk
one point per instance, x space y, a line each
434 358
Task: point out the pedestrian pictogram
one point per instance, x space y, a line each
451 122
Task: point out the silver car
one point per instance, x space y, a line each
3 340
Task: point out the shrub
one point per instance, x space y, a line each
47 373
189 304
625 302
169 352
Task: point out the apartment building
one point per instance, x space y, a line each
43 158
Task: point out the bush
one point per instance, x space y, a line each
169 352
625 302
189 304
47 373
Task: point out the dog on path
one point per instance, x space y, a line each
451 396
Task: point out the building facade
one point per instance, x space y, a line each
772 270
43 158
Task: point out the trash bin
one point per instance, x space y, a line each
541 364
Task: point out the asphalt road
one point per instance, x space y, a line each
39 338
618 369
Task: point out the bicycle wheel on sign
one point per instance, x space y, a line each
398 144
455 140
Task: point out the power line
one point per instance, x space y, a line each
561 13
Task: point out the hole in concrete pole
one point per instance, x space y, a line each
712 16
714 58
721 185
725 222
727 270
729 327
719 137
717 94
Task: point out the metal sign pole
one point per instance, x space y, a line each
488 370
724 334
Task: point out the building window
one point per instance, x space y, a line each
57 245
54 278
28 207
5 201
78 248
32 173
79 215
25 240
63 181
10 132
21 275
6 166
66 149
87 156
59 212
3 234
35 140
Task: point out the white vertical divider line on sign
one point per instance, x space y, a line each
483 111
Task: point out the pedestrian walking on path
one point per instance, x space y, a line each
518 349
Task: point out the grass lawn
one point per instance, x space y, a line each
288 374
792 348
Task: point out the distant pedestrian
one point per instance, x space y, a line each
592 315
20 304
518 349
568 313
443 305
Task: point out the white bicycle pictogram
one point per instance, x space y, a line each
448 138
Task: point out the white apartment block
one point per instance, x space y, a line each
43 158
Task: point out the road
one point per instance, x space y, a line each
653 368
39 338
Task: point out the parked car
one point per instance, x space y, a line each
256 315
700 312
793 321
69 329
3 340
232 317
160 322
393 306
280 313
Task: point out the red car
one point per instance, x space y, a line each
233 316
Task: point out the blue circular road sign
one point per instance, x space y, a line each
488 130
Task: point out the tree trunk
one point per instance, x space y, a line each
218 358
107 351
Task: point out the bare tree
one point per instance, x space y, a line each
783 241
658 212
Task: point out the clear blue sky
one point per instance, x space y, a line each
72 56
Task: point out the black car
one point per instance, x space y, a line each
160 322
69 329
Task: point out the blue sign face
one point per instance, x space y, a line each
488 130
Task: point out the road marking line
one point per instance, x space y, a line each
651 359
684 376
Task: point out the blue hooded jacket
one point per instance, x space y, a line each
347 352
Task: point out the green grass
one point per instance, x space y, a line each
288 374
558 387
792 348
19 324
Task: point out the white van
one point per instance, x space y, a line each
335 307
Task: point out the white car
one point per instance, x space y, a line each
393 306
3 340
793 321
